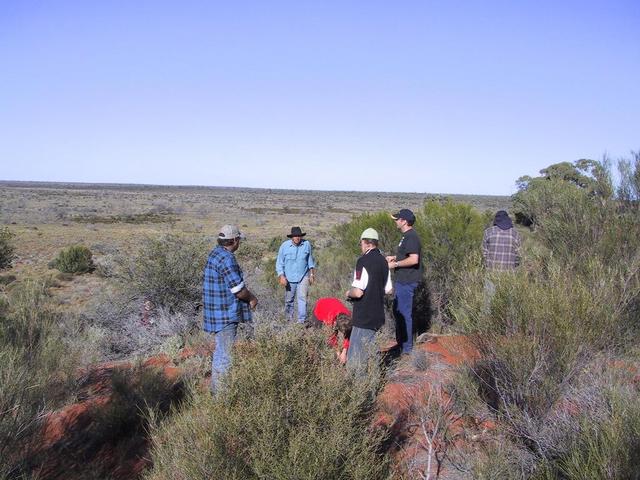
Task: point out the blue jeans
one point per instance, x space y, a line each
402 312
221 359
361 346
300 289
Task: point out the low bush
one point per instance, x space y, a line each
537 334
550 332
167 271
74 259
7 248
287 410
605 448
451 236
118 427
130 329
338 259
35 362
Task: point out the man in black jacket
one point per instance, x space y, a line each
371 280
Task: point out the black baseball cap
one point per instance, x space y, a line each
405 214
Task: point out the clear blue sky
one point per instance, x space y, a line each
420 96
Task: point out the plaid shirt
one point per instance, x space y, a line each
222 280
501 248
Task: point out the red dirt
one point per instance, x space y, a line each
413 400
399 409
124 458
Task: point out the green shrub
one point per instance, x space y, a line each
74 259
7 249
575 300
537 334
451 235
167 271
338 259
604 448
119 426
287 411
35 363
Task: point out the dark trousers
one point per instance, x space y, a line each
402 311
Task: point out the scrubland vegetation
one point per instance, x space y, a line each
286 412
557 372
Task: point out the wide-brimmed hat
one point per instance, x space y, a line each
230 232
296 232
405 214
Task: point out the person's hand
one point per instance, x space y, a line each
282 280
312 279
342 356
390 258
253 303
347 294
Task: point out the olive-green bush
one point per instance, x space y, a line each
74 259
574 301
451 236
166 270
7 248
35 367
287 410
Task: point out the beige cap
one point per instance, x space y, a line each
370 234
230 232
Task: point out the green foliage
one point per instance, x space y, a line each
607 448
7 249
348 234
535 197
74 259
167 271
287 411
451 235
628 190
337 260
538 332
575 299
34 366
119 426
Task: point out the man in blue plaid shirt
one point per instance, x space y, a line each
226 299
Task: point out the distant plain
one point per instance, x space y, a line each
108 218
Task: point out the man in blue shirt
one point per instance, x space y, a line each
295 268
226 299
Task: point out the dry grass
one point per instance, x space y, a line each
47 217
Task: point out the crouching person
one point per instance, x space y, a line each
226 299
335 315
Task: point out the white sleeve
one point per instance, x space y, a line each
361 282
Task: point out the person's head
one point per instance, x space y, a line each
502 220
404 219
369 239
296 235
343 323
229 237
